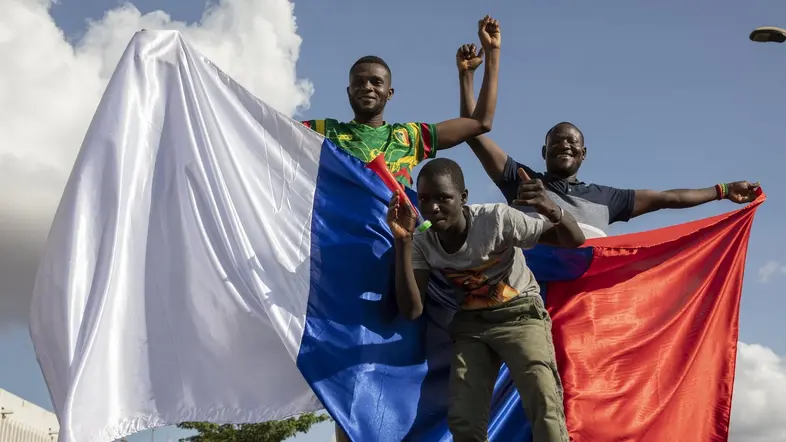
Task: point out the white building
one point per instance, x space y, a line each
23 421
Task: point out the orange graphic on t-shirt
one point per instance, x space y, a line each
479 292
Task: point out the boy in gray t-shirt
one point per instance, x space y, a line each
501 316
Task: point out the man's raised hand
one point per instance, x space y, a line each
489 33
532 193
468 58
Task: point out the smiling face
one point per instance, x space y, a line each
564 150
441 201
369 89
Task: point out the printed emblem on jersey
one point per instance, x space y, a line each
480 292
345 137
402 136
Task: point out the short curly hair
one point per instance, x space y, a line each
371 59
443 167
564 123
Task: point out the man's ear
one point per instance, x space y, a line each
348 95
464 196
583 153
390 93
543 152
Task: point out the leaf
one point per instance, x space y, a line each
272 431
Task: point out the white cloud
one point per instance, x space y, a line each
759 404
771 269
49 90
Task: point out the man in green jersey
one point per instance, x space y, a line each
407 144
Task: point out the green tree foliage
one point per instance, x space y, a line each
273 431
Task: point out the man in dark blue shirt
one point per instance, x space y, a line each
594 206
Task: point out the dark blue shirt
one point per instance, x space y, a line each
591 204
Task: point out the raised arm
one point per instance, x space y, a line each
490 155
412 271
647 201
459 130
560 228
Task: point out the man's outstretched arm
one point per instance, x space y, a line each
646 201
459 130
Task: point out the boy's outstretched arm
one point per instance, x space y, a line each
560 229
459 130
491 156
411 282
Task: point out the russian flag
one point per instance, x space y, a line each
214 260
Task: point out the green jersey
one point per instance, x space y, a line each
403 144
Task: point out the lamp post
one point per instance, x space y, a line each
768 34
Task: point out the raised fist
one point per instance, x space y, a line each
467 59
489 33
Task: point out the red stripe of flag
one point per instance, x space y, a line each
646 339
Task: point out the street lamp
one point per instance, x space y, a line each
768 34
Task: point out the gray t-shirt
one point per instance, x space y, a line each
489 269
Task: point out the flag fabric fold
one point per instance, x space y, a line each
175 279
214 260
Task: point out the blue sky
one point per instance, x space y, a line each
668 95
